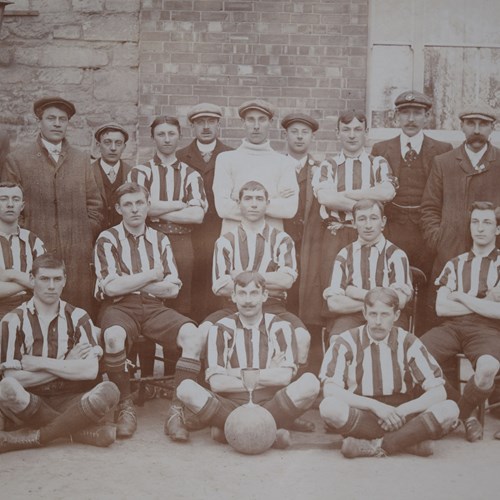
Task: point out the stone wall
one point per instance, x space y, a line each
83 50
299 54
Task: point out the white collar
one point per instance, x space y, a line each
107 167
474 157
206 148
166 161
52 148
416 142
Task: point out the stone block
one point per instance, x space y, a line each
50 5
116 85
6 55
116 27
16 74
68 32
126 54
123 5
88 5
56 56
71 76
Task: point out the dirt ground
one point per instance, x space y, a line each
150 466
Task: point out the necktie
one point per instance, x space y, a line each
206 156
410 156
54 152
112 175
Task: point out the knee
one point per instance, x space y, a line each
334 412
486 368
446 413
11 391
309 386
185 390
190 340
114 338
102 398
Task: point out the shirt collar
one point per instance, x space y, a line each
416 142
391 340
474 157
206 148
342 158
51 147
30 305
264 230
261 326
15 233
107 167
493 255
161 160
357 245
124 233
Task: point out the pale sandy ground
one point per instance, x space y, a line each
150 466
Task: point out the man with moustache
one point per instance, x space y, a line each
110 170
466 174
201 155
63 205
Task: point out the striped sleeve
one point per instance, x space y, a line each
383 171
399 266
141 174
167 256
195 190
424 369
285 255
283 338
448 276
339 278
323 176
223 263
336 362
12 341
106 263
217 351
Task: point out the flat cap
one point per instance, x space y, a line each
111 126
413 98
478 110
258 104
58 102
204 109
301 118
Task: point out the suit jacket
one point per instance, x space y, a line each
451 188
391 151
63 207
192 156
125 168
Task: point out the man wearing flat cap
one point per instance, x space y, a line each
255 160
305 227
110 170
63 205
201 155
466 174
410 156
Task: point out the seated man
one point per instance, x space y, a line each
468 297
368 262
18 248
273 352
50 360
256 246
136 270
371 376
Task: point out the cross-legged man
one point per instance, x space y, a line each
136 271
272 345
383 391
50 359
468 299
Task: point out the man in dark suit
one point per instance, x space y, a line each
410 156
110 170
201 154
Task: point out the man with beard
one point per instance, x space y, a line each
466 174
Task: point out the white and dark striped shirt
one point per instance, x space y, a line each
367 367
231 345
17 251
366 267
471 274
117 252
23 332
269 250
174 182
342 173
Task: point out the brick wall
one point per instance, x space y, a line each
83 50
298 54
